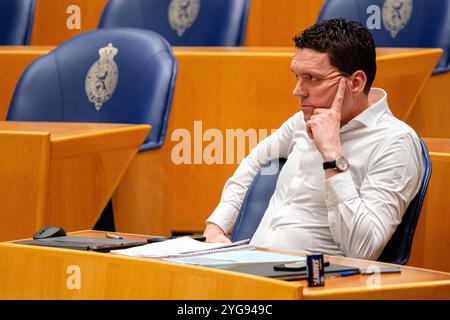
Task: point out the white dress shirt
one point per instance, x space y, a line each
353 213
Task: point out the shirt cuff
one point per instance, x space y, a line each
339 188
224 216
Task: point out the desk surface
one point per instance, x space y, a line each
107 276
63 130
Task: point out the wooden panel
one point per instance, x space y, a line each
154 279
274 22
431 113
432 239
50 23
105 276
23 182
403 83
13 62
86 170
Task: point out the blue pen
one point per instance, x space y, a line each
342 274
348 273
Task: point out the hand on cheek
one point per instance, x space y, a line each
323 126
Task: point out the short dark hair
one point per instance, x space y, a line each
349 45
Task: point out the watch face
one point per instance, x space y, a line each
341 163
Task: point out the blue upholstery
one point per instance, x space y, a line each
397 249
16 21
53 87
218 23
428 27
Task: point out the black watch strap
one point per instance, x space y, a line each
329 165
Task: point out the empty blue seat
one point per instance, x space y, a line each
16 22
120 75
399 23
397 250
182 22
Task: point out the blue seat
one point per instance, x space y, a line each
397 249
16 22
405 23
182 22
76 82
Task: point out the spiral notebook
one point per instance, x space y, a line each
228 257
182 247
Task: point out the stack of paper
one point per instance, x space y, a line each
237 257
180 247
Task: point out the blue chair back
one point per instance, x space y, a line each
182 22
397 249
401 23
130 80
16 22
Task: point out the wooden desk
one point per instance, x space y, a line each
30 272
60 173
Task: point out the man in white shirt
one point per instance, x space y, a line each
352 168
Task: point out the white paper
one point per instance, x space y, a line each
238 257
173 248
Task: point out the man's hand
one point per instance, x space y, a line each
214 233
323 126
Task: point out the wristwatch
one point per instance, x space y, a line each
340 164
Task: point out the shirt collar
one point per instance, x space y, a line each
370 116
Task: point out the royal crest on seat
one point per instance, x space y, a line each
182 14
396 15
101 80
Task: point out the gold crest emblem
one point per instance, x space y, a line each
102 77
396 15
182 14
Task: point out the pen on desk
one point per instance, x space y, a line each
370 271
113 236
342 274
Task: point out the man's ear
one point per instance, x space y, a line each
358 82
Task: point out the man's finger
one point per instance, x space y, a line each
309 130
339 98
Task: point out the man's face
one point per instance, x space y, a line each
317 81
